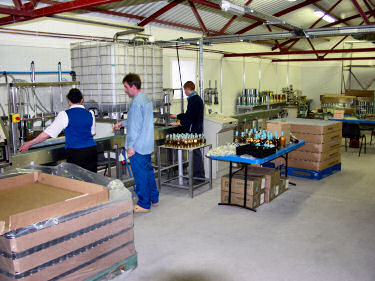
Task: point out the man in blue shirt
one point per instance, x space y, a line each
140 143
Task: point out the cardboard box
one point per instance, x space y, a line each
20 205
251 201
77 246
317 157
312 126
269 194
360 93
279 126
311 138
238 184
321 147
272 176
312 165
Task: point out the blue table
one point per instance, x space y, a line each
356 121
252 160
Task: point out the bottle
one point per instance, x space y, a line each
195 140
282 140
236 137
243 139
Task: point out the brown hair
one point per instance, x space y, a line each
133 80
189 85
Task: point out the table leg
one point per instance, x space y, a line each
159 169
118 167
245 189
286 169
191 165
109 163
210 172
230 191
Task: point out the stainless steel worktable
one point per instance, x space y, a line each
190 179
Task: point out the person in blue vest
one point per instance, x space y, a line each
139 143
79 128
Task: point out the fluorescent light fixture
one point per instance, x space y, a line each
232 8
326 17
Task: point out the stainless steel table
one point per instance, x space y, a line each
191 185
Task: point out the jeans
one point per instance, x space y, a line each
198 169
145 185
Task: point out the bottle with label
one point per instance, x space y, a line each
236 137
282 140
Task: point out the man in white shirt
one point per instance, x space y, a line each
79 127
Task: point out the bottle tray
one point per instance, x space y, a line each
255 151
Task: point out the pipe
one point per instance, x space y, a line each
135 29
320 60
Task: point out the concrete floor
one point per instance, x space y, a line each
318 230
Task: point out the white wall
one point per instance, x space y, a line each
313 79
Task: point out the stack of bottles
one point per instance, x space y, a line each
184 140
252 97
263 138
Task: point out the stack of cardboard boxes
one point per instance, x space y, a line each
322 147
323 144
263 185
69 230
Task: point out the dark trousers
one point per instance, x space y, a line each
144 177
86 158
198 169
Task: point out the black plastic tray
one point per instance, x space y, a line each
255 151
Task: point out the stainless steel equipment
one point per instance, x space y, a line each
164 111
218 130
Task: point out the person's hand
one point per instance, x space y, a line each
117 126
173 116
176 123
130 152
25 147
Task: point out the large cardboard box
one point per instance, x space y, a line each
321 147
72 241
254 185
272 176
313 165
311 138
278 126
315 127
31 198
251 201
317 157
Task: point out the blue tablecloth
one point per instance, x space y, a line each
362 121
252 160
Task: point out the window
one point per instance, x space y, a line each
187 74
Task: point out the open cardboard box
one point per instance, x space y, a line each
78 195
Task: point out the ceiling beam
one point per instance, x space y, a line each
17 4
320 60
14 12
222 30
307 52
361 12
198 17
338 43
313 25
279 14
158 13
331 14
326 13
55 9
126 15
369 7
